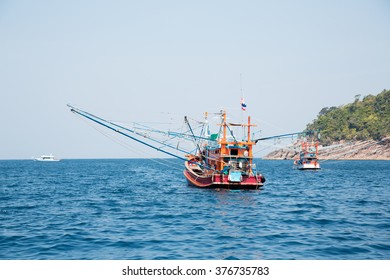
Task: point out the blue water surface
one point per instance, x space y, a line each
144 209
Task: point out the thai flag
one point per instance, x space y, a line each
243 105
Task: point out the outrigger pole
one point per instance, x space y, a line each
172 133
286 135
192 132
110 125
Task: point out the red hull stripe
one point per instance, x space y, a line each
250 183
195 181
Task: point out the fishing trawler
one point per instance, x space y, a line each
218 161
308 156
224 163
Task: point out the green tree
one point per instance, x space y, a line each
364 119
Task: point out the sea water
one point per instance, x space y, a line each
144 209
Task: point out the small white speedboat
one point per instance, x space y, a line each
49 158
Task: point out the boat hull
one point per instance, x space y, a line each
214 180
47 158
308 166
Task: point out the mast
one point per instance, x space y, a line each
249 129
224 126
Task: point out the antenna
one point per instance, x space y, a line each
243 106
242 93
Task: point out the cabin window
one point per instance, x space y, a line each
234 152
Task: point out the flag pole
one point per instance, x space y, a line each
242 107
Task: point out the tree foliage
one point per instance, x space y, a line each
359 120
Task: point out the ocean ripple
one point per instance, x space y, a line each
140 209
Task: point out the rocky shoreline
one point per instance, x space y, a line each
343 150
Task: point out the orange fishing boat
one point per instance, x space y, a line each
224 162
308 156
219 160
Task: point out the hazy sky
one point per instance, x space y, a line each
140 60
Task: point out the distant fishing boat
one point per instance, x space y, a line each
308 156
218 161
47 158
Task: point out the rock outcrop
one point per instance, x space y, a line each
353 150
